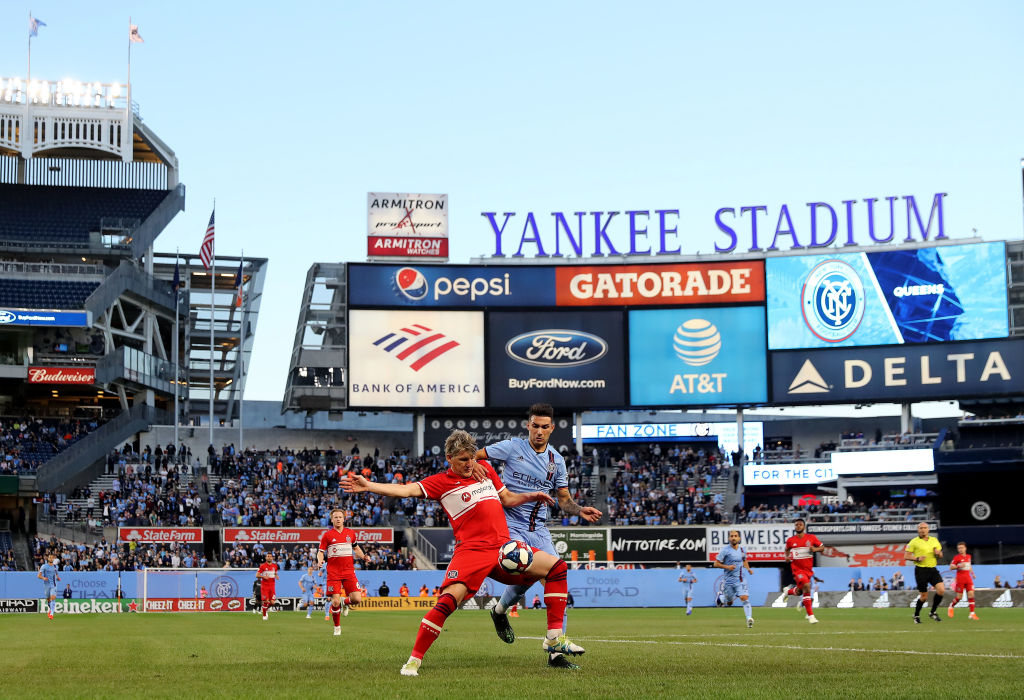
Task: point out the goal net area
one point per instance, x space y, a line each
194 590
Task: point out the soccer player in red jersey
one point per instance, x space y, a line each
339 547
476 513
964 578
800 549
267 575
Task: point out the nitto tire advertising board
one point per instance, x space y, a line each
568 359
893 373
666 545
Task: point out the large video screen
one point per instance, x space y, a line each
416 359
923 295
571 359
695 357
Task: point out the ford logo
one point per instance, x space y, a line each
556 348
7 316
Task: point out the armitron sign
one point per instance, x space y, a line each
160 535
61 375
407 225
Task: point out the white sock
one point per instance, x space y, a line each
499 608
747 611
552 635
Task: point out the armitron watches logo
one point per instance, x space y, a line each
697 342
832 301
556 348
411 284
417 344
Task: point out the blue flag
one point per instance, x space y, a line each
34 23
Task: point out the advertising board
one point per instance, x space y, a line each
840 464
45 317
302 535
686 357
762 542
407 225
161 535
665 545
920 295
416 359
473 286
571 359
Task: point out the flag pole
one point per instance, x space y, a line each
29 79
177 372
241 356
213 295
129 64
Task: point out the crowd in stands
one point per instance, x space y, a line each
845 512
102 555
894 583
27 442
301 557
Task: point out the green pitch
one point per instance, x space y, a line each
633 654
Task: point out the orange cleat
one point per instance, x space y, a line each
950 610
972 616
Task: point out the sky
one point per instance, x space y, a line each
289 113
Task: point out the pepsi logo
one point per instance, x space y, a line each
556 348
697 342
411 283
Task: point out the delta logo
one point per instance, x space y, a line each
416 345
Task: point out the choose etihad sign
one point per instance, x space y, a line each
61 375
158 535
407 225
899 373
651 285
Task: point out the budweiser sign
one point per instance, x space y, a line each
160 535
62 375
302 535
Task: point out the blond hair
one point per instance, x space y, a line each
458 442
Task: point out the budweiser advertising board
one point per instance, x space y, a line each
303 535
61 375
160 535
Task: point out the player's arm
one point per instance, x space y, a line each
359 551
320 558
511 500
720 565
40 575
818 547
909 555
937 551
356 483
571 507
746 565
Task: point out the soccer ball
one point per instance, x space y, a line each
514 557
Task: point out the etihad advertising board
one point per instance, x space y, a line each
897 373
450 285
416 359
922 295
571 359
687 357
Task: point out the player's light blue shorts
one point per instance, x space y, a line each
51 592
307 597
734 590
539 538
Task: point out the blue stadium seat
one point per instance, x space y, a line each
44 294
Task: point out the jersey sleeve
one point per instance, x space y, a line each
432 486
561 473
499 450
815 542
323 541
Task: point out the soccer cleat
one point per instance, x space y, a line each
411 668
935 617
337 631
559 661
49 615
309 617
917 620
972 616
949 611
503 628
812 619
562 645
689 611
265 616
344 609
750 622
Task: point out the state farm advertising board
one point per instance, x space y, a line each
566 358
692 357
762 542
416 359
664 285
302 535
896 372
161 535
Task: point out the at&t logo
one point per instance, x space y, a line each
832 301
697 342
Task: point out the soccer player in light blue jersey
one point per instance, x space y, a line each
531 465
307 582
688 579
49 576
733 558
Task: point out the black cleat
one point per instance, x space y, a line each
503 628
917 620
559 661
935 617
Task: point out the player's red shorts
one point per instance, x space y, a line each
471 566
963 585
802 576
267 593
342 586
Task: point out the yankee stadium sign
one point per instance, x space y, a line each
751 228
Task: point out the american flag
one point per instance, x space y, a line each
133 34
238 285
206 249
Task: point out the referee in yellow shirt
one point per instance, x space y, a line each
924 551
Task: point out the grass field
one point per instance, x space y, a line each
630 654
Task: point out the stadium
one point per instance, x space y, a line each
130 463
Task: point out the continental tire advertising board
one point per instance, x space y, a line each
659 545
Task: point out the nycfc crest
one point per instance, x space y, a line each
832 301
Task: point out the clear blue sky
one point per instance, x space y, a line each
289 113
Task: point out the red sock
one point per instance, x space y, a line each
336 615
793 591
970 604
556 588
807 604
347 600
264 610
432 624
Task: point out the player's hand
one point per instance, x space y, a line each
730 567
541 497
353 483
479 472
590 514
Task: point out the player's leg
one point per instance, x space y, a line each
689 604
352 594
940 590
748 612
970 603
556 590
922 588
53 603
958 593
807 600
334 590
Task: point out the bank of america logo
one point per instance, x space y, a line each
416 344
